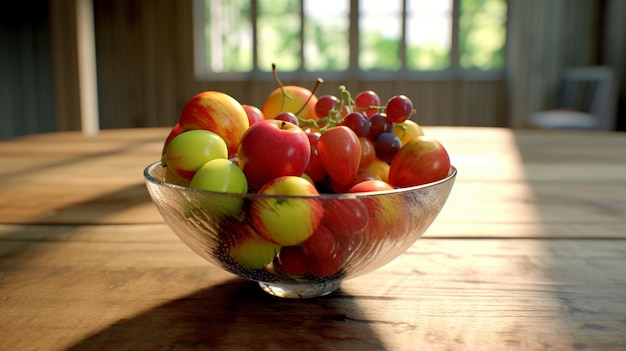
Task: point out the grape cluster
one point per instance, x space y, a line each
373 123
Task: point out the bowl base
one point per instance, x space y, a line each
304 291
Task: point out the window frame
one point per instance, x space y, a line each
202 73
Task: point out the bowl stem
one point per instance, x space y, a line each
304 291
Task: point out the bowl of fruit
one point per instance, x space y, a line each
326 190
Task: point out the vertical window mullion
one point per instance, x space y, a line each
302 16
353 38
454 49
254 12
403 37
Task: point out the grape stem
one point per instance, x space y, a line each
334 116
282 88
402 128
317 85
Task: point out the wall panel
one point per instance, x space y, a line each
26 82
145 73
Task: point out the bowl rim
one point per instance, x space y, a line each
151 179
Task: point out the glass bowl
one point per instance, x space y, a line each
357 234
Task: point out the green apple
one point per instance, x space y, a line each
221 175
289 219
254 252
188 151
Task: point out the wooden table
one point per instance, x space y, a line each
529 253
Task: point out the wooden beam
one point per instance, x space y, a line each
87 77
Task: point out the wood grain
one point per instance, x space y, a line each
527 254
98 287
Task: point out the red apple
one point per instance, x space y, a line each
298 97
321 254
363 176
315 169
289 219
321 244
360 176
254 114
421 160
386 211
340 153
270 149
219 113
290 260
370 185
346 217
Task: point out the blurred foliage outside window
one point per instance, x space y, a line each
314 35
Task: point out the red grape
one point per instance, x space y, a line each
287 117
399 108
324 104
379 123
387 145
357 122
365 99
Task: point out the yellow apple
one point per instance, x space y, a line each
407 130
296 98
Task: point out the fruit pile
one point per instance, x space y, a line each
298 144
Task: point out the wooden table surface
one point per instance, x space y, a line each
529 253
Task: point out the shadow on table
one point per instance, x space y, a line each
238 315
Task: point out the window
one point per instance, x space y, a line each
391 38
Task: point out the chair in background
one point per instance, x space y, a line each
587 100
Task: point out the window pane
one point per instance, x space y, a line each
429 34
326 45
380 30
278 26
228 35
482 34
